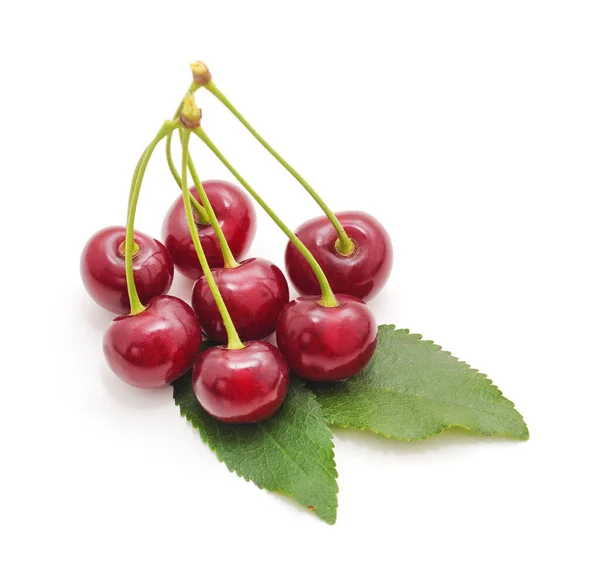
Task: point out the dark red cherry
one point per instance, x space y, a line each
154 347
326 343
362 273
237 219
103 268
254 293
241 385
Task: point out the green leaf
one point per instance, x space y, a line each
292 452
412 389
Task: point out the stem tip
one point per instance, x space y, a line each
344 247
121 249
190 114
201 73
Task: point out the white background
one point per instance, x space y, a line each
470 129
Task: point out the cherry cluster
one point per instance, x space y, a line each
335 262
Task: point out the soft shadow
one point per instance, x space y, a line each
386 300
98 318
451 437
284 498
94 316
133 397
272 338
182 287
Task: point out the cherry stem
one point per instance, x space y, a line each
133 180
200 211
228 258
233 339
136 185
344 245
205 213
170 162
327 297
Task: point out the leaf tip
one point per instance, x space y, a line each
524 434
329 518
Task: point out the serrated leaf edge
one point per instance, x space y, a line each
330 455
419 337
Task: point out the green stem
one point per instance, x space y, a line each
327 297
200 211
228 258
202 215
133 180
344 244
233 339
136 185
172 167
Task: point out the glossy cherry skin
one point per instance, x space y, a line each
153 348
362 273
254 293
326 343
243 385
236 217
102 268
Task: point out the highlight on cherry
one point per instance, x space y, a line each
336 261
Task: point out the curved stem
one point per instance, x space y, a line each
233 339
327 297
228 258
133 180
206 214
136 185
172 167
344 245
135 305
201 212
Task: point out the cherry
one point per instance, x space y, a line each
103 268
362 273
255 292
326 343
241 385
154 347
235 214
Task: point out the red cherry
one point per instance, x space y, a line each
241 385
237 219
103 268
156 346
254 293
326 343
362 273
